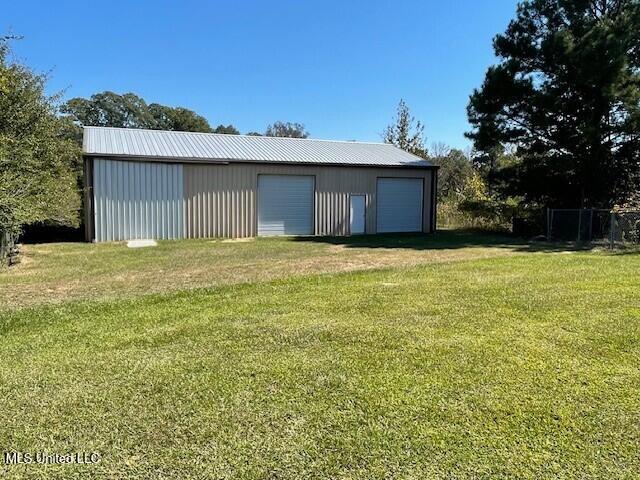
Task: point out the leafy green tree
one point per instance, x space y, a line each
178 119
406 132
109 109
454 174
566 96
286 129
228 129
38 160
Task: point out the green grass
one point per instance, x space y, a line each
54 273
522 365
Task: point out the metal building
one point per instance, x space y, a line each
157 184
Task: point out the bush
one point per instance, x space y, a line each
473 207
489 213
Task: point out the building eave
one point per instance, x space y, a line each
224 161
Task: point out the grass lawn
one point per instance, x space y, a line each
453 356
54 273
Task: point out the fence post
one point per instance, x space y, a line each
4 247
579 223
613 228
591 226
546 218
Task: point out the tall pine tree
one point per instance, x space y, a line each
566 95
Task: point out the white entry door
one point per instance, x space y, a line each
357 214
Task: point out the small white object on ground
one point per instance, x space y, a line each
141 243
238 240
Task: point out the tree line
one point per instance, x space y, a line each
109 109
556 123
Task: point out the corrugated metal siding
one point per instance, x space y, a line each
221 199
135 200
105 141
356 214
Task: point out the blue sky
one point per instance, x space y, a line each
339 67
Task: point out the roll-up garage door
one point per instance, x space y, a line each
399 205
285 205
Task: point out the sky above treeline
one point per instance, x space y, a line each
339 67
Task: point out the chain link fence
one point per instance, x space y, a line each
614 229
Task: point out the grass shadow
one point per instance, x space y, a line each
632 250
447 240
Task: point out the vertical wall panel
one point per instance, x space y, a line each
138 200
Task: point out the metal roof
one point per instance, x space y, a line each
161 144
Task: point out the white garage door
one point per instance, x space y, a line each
399 205
285 205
